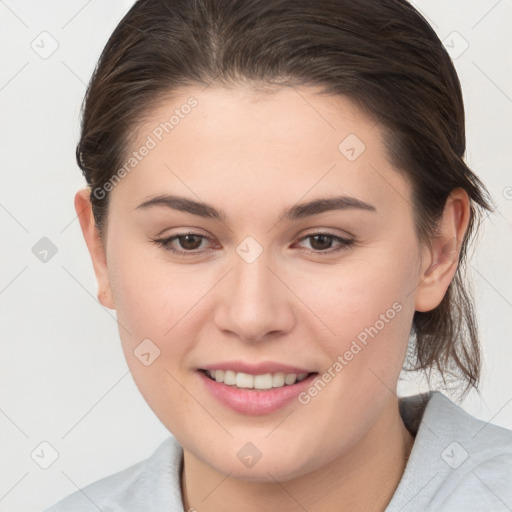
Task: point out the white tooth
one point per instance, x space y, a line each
263 381
248 381
278 380
290 379
229 377
244 380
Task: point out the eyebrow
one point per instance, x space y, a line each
298 211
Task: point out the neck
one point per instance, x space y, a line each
342 485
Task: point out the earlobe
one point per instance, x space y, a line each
441 259
95 245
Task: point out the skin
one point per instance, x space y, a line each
253 155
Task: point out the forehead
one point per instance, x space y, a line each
291 143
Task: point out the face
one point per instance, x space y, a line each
257 287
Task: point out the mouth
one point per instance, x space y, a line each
260 382
256 393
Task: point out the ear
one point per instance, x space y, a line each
95 245
440 261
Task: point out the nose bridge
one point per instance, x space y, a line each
254 302
252 279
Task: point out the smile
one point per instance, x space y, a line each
255 394
259 382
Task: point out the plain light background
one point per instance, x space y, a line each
64 380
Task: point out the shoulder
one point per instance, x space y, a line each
458 462
482 440
152 484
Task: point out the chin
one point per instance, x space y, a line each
268 470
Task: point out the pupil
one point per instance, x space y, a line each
189 241
325 242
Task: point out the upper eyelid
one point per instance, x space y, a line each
170 238
305 235
197 232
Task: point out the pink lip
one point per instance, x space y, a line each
255 369
255 402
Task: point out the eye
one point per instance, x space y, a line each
189 242
323 242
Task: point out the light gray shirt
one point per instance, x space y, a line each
458 463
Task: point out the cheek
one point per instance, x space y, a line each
147 306
370 310
150 294
162 302
352 298
153 305
369 307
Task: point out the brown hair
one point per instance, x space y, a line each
381 54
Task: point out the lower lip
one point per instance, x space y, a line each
255 402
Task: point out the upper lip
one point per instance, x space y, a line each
255 369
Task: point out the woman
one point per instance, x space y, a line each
277 209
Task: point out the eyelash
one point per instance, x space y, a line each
345 243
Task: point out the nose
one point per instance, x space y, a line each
254 304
